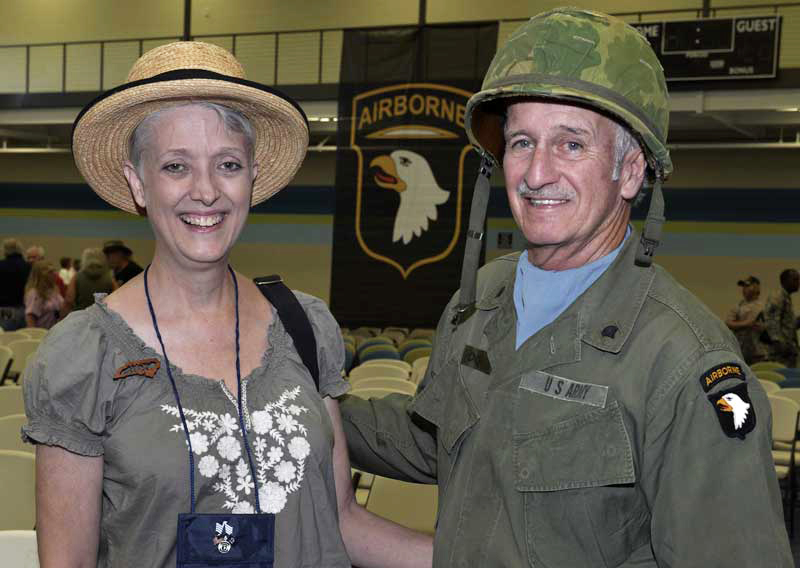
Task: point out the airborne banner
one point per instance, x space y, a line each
404 172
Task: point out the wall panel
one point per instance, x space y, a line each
46 69
83 67
219 17
118 58
48 21
298 58
257 55
12 70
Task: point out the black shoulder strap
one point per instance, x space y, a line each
294 319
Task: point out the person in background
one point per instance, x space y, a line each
781 322
43 301
119 259
93 278
746 321
76 264
34 253
14 273
67 271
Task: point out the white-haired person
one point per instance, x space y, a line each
94 277
177 419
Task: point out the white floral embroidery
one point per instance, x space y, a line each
199 443
208 466
299 448
279 461
229 448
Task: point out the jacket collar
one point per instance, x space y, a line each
605 314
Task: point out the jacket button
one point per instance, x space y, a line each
524 473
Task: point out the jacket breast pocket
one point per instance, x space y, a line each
446 403
578 482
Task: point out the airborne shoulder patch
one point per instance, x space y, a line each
719 373
735 411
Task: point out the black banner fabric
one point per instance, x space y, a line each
404 173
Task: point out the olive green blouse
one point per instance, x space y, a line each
73 400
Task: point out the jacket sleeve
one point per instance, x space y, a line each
386 437
714 496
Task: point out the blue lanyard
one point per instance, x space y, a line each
178 398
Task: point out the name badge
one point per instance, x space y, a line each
565 389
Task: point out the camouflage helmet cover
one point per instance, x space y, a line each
581 57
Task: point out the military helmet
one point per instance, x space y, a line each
581 57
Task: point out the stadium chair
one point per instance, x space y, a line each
415 354
11 336
10 438
412 505
789 372
785 416
34 332
368 371
21 350
18 549
766 366
371 341
396 334
371 393
378 352
770 387
391 363
410 344
11 400
6 355
18 506
418 369
422 332
402 386
773 376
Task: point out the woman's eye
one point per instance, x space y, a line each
175 168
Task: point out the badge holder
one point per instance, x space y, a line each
212 539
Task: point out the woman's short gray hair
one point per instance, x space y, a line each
234 121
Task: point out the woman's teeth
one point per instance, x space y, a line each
202 220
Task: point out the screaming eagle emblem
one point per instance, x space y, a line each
734 410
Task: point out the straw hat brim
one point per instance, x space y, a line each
102 131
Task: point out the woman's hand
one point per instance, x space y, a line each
371 541
68 491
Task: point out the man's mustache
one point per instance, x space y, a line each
552 191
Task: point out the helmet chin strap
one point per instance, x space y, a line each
472 250
651 236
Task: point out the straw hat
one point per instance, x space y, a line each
172 75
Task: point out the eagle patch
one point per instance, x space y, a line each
735 411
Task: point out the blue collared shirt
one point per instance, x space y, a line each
540 296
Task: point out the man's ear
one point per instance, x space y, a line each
135 183
632 173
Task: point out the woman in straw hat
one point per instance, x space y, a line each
182 393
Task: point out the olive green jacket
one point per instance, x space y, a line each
595 444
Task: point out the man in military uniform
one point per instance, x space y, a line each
582 409
781 322
746 321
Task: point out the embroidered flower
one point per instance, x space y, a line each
287 423
245 484
285 471
243 508
299 448
228 423
260 445
229 448
225 471
208 466
274 454
199 443
209 424
272 497
294 409
262 422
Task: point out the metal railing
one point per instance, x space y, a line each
16 71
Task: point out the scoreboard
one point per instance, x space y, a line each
717 48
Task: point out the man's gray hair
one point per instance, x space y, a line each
624 142
11 246
233 120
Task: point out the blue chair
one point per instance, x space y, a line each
367 343
349 357
413 344
379 352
